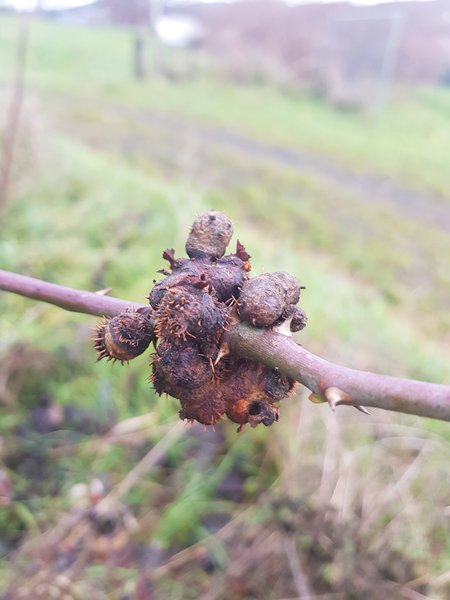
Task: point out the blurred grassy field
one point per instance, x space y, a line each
409 142
109 173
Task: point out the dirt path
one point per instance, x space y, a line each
169 138
419 205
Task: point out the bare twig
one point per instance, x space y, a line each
91 303
325 379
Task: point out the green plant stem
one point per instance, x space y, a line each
328 381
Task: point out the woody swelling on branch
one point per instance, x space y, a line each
222 339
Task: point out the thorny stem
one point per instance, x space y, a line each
335 383
348 386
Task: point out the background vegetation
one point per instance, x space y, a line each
108 173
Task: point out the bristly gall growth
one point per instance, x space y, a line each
123 337
194 306
198 300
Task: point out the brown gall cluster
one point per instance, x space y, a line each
193 306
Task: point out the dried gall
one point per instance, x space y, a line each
123 337
268 299
299 319
192 306
209 236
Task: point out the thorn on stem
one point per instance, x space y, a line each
223 351
336 397
284 328
104 292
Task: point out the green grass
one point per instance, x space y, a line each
402 256
408 141
88 210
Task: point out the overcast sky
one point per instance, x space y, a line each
49 4
367 2
55 4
